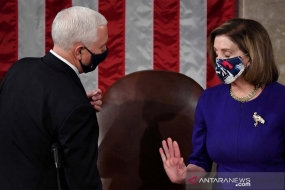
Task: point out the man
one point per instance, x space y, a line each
43 102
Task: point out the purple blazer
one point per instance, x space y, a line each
224 131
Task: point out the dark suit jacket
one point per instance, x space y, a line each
42 101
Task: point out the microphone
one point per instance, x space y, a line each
55 150
57 160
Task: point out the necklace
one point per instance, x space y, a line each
246 98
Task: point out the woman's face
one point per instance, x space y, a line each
225 48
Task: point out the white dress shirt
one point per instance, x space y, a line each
65 61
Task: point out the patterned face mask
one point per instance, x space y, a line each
228 70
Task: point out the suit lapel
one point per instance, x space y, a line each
53 61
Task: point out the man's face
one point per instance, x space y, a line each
98 47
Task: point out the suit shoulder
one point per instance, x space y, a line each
25 62
274 90
28 60
276 86
213 94
220 88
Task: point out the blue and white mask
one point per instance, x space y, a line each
228 70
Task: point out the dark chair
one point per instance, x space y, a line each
1 81
138 112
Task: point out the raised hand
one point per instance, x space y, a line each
172 161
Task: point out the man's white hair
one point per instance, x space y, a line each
76 24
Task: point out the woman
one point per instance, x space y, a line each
239 124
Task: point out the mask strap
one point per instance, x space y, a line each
88 50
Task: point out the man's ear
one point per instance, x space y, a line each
78 51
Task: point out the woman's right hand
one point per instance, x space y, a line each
172 161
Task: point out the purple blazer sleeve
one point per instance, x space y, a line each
200 156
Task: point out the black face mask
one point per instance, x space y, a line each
94 62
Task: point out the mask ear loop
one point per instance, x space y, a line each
249 62
89 51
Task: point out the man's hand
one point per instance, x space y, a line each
95 97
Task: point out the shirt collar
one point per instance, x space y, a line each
65 61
